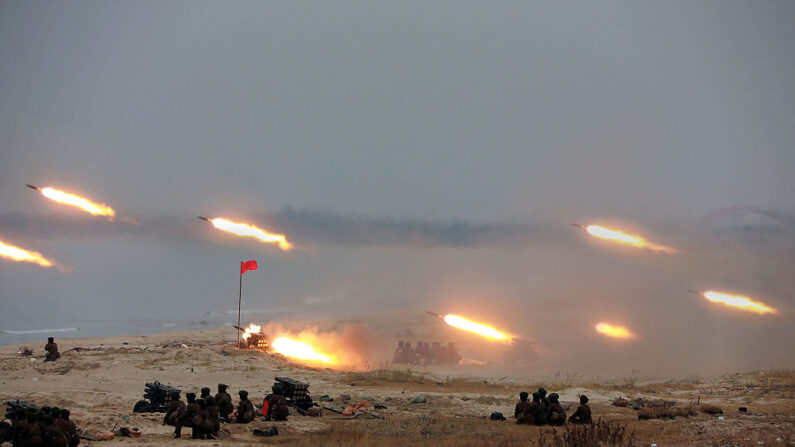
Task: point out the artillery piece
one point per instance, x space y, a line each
156 398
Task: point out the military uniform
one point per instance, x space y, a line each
224 402
583 413
277 408
245 409
52 351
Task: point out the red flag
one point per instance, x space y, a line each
247 265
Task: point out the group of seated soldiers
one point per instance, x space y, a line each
48 427
542 410
425 354
205 414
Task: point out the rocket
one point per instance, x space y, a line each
694 291
206 219
433 314
35 188
580 226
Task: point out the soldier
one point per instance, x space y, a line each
21 425
539 412
53 436
224 402
523 411
52 350
68 428
175 411
212 411
5 431
544 401
583 413
206 424
205 393
277 407
191 418
556 415
245 409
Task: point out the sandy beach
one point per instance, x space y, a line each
100 379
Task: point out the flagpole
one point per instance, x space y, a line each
239 300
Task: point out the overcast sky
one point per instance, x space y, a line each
392 119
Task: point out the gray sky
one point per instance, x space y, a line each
390 119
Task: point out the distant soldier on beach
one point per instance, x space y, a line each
52 350
583 413
245 409
224 402
538 409
212 411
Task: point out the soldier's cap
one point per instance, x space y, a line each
553 397
65 414
50 339
55 412
205 390
222 387
243 393
542 392
175 394
190 396
523 396
536 396
583 399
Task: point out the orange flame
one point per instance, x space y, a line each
614 331
628 239
739 302
300 350
96 209
242 229
478 328
251 329
21 255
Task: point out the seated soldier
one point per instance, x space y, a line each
174 411
53 436
68 428
224 402
191 418
583 413
523 412
544 401
20 426
206 425
212 411
277 407
245 409
539 412
52 350
556 415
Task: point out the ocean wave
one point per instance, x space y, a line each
39 331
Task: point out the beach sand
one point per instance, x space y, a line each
100 379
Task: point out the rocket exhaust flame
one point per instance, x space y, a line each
245 230
624 238
22 255
614 331
95 209
738 302
477 328
300 350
